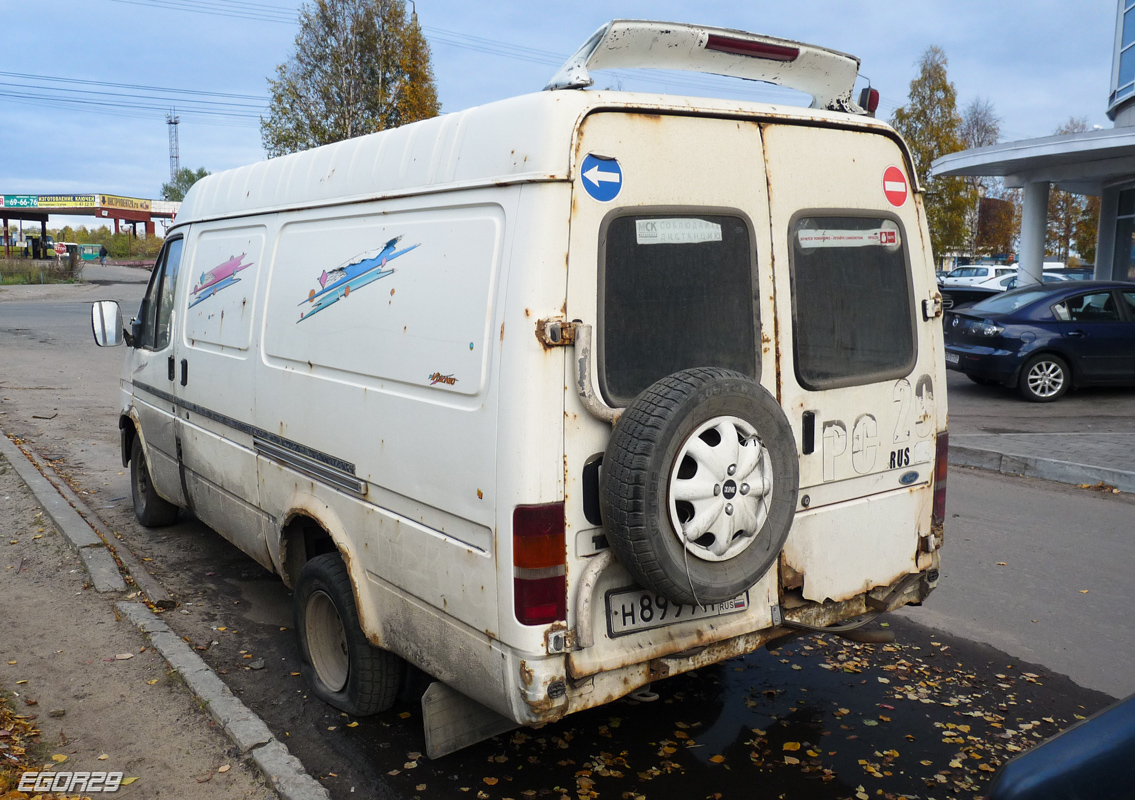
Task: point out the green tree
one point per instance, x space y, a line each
1067 212
981 127
184 179
358 66
1087 229
931 125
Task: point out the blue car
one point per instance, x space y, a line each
1043 340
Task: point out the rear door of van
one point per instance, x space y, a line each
860 373
670 263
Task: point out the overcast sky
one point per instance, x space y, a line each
1038 63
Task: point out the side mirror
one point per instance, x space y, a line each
106 322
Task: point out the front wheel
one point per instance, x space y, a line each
342 668
1044 378
151 510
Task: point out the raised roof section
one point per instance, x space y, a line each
526 138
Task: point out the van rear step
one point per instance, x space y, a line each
453 720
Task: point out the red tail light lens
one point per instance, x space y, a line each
745 47
539 556
941 464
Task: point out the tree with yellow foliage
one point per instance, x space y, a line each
359 66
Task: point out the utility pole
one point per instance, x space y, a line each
172 120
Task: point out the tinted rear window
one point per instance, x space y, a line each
1009 301
678 292
851 287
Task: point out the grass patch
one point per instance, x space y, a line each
18 272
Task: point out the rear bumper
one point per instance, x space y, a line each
987 363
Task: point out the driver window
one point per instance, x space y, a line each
169 286
155 313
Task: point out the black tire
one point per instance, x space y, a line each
372 676
151 510
636 478
1044 378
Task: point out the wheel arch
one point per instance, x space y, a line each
310 528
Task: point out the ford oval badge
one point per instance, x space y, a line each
908 478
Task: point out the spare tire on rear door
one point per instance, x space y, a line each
699 485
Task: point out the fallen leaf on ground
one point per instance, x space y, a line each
792 745
717 759
59 758
128 781
123 656
490 781
151 683
352 724
223 768
103 757
791 760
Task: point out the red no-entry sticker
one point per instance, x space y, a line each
894 186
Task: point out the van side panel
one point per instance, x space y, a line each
222 272
374 372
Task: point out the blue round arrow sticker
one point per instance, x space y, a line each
602 177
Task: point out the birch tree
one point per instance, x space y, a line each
357 67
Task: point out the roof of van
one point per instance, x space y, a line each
521 139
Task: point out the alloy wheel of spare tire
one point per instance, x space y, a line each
1044 378
699 485
340 665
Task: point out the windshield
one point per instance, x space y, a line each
1010 301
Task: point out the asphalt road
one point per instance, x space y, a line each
850 705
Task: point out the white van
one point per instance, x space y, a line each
559 396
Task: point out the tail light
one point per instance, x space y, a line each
747 47
539 558
869 100
941 463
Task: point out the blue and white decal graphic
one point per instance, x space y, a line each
602 177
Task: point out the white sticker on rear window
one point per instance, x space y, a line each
676 231
880 237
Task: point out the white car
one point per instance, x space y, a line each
974 274
1003 283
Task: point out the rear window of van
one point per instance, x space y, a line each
852 295
678 291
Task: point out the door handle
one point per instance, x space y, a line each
184 372
1076 334
170 368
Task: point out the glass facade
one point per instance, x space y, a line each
1123 67
1123 266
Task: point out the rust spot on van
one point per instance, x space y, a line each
527 312
526 673
656 118
502 331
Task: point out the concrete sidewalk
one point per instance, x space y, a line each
1076 458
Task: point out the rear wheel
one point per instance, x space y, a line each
151 510
1044 378
342 668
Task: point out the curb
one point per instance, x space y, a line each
247 731
75 530
1048 469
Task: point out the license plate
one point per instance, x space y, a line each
952 358
634 610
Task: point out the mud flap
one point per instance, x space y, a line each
453 720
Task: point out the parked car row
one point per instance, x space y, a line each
1045 339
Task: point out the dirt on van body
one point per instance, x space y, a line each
83 690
